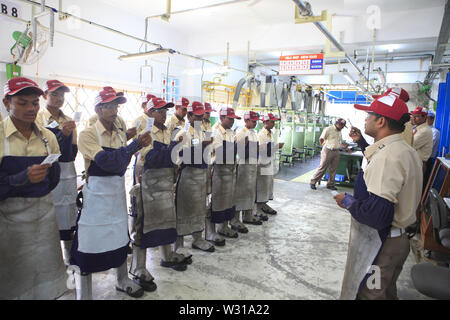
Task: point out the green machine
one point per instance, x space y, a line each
310 132
286 137
348 168
298 139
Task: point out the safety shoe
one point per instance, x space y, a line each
332 188
313 186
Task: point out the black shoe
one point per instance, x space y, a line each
148 286
240 229
211 249
262 218
332 188
256 223
178 266
272 212
217 243
313 186
129 291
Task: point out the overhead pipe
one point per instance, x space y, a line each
263 92
124 34
330 37
284 96
292 91
239 86
443 37
194 9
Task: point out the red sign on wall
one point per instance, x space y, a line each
305 64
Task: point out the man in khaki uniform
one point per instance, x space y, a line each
423 136
331 140
223 178
265 172
384 204
247 141
177 119
206 122
65 194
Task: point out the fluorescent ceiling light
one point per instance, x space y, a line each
141 55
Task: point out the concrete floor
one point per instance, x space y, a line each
298 254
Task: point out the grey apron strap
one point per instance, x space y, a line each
6 144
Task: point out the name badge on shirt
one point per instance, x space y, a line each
195 141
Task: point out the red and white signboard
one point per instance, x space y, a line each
304 64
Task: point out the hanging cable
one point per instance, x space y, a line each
201 82
167 76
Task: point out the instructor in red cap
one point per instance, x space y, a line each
384 203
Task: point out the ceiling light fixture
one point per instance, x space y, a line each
141 55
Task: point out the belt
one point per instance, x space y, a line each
396 232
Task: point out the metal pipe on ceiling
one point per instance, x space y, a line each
199 8
127 35
444 35
330 37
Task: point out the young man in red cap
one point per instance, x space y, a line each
206 117
101 238
119 123
32 266
155 219
223 179
177 119
191 185
247 141
383 205
65 194
423 136
264 181
331 141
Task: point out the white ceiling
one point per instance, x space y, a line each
244 16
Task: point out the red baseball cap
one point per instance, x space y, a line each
229 113
270 116
251 115
158 103
420 111
15 85
146 99
108 94
342 121
388 106
196 108
182 103
52 85
397 91
208 107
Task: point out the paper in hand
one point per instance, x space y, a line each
53 125
186 126
208 135
77 116
138 123
150 122
51 158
